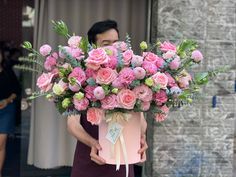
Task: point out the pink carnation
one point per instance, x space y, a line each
44 81
127 56
197 56
45 50
82 104
162 115
74 41
126 76
96 58
79 75
54 55
139 73
143 92
109 102
160 79
145 106
137 60
117 84
149 67
126 99
99 93
167 46
160 97
89 92
50 63
105 76
95 115
174 64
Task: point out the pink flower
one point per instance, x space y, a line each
126 99
174 64
54 55
64 51
82 104
44 81
171 80
74 41
139 73
112 62
50 63
169 54
45 50
137 60
96 58
145 106
77 53
117 84
126 76
95 115
160 97
74 88
150 57
160 79
89 92
105 76
127 56
162 115
160 62
197 56
110 50
99 93
120 45
109 102
167 46
90 73
67 66
143 92
150 68
183 82
79 75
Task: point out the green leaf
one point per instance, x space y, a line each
27 45
201 78
84 44
61 28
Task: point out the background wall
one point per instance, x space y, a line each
198 140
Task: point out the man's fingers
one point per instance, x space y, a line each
143 148
143 157
95 157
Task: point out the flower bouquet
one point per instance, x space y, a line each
108 82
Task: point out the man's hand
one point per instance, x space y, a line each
3 104
144 146
94 154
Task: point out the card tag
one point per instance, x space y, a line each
114 132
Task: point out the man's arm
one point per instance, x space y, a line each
75 128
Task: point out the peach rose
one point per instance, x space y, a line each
95 115
126 99
105 76
160 79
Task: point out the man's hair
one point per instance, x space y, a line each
101 27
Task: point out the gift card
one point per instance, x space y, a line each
114 131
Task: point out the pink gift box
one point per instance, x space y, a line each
131 132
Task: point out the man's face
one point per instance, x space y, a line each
107 38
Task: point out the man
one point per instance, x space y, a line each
87 162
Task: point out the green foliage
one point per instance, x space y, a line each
186 46
60 28
84 44
29 68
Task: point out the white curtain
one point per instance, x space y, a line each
50 145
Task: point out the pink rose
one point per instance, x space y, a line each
82 104
126 99
196 56
77 54
150 57
99 93
160 62
169 54
95 115
44 81
105 76
45 50
160 97
174 64
160 79
171 80
112 62
50 63
96 58
139 73
143 92
117 84
127 56
64 51
89 92
137 60
145 106
120 45
150 68
79 75
162 115
109 102
126 76
167 46
74 41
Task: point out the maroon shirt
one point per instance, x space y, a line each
83 166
